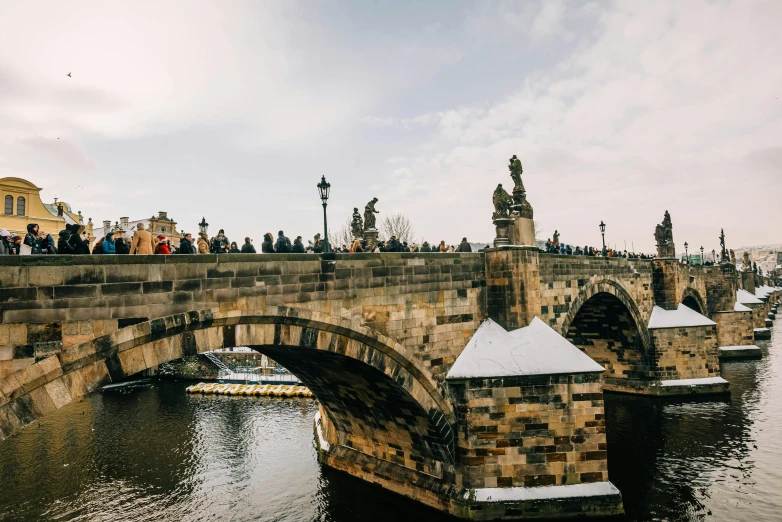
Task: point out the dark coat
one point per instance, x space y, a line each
267 247
283 245
298 247
464 246
186 247
121 247
425 247
394 246
248 248
32 240
63 247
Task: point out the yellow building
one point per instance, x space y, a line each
22 206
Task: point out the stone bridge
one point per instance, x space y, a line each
374 337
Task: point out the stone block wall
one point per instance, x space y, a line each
734 328
759 314
529 431
685 353
431 303
512 285
568 279
721 285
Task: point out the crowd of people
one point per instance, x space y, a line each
73 241
563 249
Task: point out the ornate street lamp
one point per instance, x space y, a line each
702 260
203 225
324 187
603 232
686 252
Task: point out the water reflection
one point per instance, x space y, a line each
156 453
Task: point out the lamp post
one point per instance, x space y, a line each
686 252
323 188
603 232
702 260
203 225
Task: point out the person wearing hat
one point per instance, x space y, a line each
464 246
5 246
108 246
162 246
220 244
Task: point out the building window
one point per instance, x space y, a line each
20 206
9 204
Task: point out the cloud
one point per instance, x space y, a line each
653 109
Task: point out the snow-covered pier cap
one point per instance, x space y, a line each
682 317
533 350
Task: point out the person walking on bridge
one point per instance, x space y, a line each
247 247
283 245
464 246
143 243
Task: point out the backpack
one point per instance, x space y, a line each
283 245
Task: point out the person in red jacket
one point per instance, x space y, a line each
162 246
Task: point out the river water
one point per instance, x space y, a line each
156 453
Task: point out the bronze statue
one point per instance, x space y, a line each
659 235
663 235
357 225
668 227
502 202
369 215
516 170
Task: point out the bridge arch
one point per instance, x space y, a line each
691 298
605 322
347 366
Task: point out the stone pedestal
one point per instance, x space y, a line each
667 250
522 232
748 281
503 226
370 235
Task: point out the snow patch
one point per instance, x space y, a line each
738 307
694 382
681 317
594 489
324 444
761 330
744 297
533 350
751 347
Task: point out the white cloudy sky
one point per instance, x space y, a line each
233 110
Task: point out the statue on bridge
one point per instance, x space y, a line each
502 202
663 235
516 170
746 263
723 250
357 224
732 257
369 215
555 239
